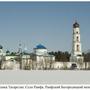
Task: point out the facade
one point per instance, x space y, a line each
10 64
26 62
17 62
8 57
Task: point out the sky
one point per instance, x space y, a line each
46 23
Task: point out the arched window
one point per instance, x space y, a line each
77 47
77 38
77 32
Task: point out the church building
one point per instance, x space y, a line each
42 58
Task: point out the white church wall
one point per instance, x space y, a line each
62 65
76 30
68 65
10 65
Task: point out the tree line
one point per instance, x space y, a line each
65 56
86 57
60 55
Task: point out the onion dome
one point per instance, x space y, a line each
40 47
1 47
75 25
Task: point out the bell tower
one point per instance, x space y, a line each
76 54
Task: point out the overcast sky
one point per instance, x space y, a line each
49 24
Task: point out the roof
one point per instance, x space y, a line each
40 46
75 25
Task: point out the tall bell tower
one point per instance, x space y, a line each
76 54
